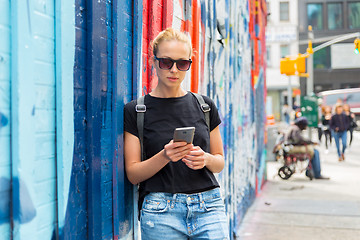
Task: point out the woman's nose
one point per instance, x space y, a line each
173 68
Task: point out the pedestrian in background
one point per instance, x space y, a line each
286 111
179 194
303 145
320 126
325 122
351 117
339 124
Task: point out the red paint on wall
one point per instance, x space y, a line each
168 13
157 16
195 40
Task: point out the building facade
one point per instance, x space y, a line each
281 41
336 66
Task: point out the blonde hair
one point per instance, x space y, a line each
168 35
338 106
346 107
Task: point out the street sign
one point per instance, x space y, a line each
309 109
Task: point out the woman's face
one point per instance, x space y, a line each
339 110
328 110
175 50
346 108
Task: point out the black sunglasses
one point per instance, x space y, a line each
168 63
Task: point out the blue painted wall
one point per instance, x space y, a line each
5 119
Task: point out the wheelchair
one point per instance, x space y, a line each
292 162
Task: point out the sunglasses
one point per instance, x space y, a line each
168 63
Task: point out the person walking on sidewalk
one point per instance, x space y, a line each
352 123
339 124
286 111
325 122
303 145
179 195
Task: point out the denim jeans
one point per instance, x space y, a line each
343 136
184 216
315 163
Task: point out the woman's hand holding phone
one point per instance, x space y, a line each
196 159
174 151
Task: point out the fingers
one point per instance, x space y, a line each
195 159
174 151
195 165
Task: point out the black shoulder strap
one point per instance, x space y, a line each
140 113
204 107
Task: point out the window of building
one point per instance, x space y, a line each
284 11
354 14
284 51
322 58
315 15
335 16
268 56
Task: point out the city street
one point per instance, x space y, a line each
299 209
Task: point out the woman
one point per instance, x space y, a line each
351 118
339 124
179 195
325 121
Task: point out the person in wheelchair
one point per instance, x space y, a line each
303 145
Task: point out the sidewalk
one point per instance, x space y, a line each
300 209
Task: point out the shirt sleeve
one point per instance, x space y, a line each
130 124
214 113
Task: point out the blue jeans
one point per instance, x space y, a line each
343 136
287 118
315 163
184 216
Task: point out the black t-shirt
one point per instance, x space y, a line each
162 116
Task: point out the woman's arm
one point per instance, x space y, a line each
137 170
214 161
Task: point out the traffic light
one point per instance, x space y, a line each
301 63
287 66
357 45
293 65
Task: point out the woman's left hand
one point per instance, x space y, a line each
196 159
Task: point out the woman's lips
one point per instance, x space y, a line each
174 79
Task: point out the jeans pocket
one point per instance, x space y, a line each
215 204
155 205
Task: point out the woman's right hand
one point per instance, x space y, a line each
175 151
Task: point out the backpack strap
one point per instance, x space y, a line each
140 114
204 107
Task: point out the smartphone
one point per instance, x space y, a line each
185 134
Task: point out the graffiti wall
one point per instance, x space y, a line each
66 70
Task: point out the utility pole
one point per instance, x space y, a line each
310 63
310 67
289 93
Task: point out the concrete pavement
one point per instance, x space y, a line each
299 209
